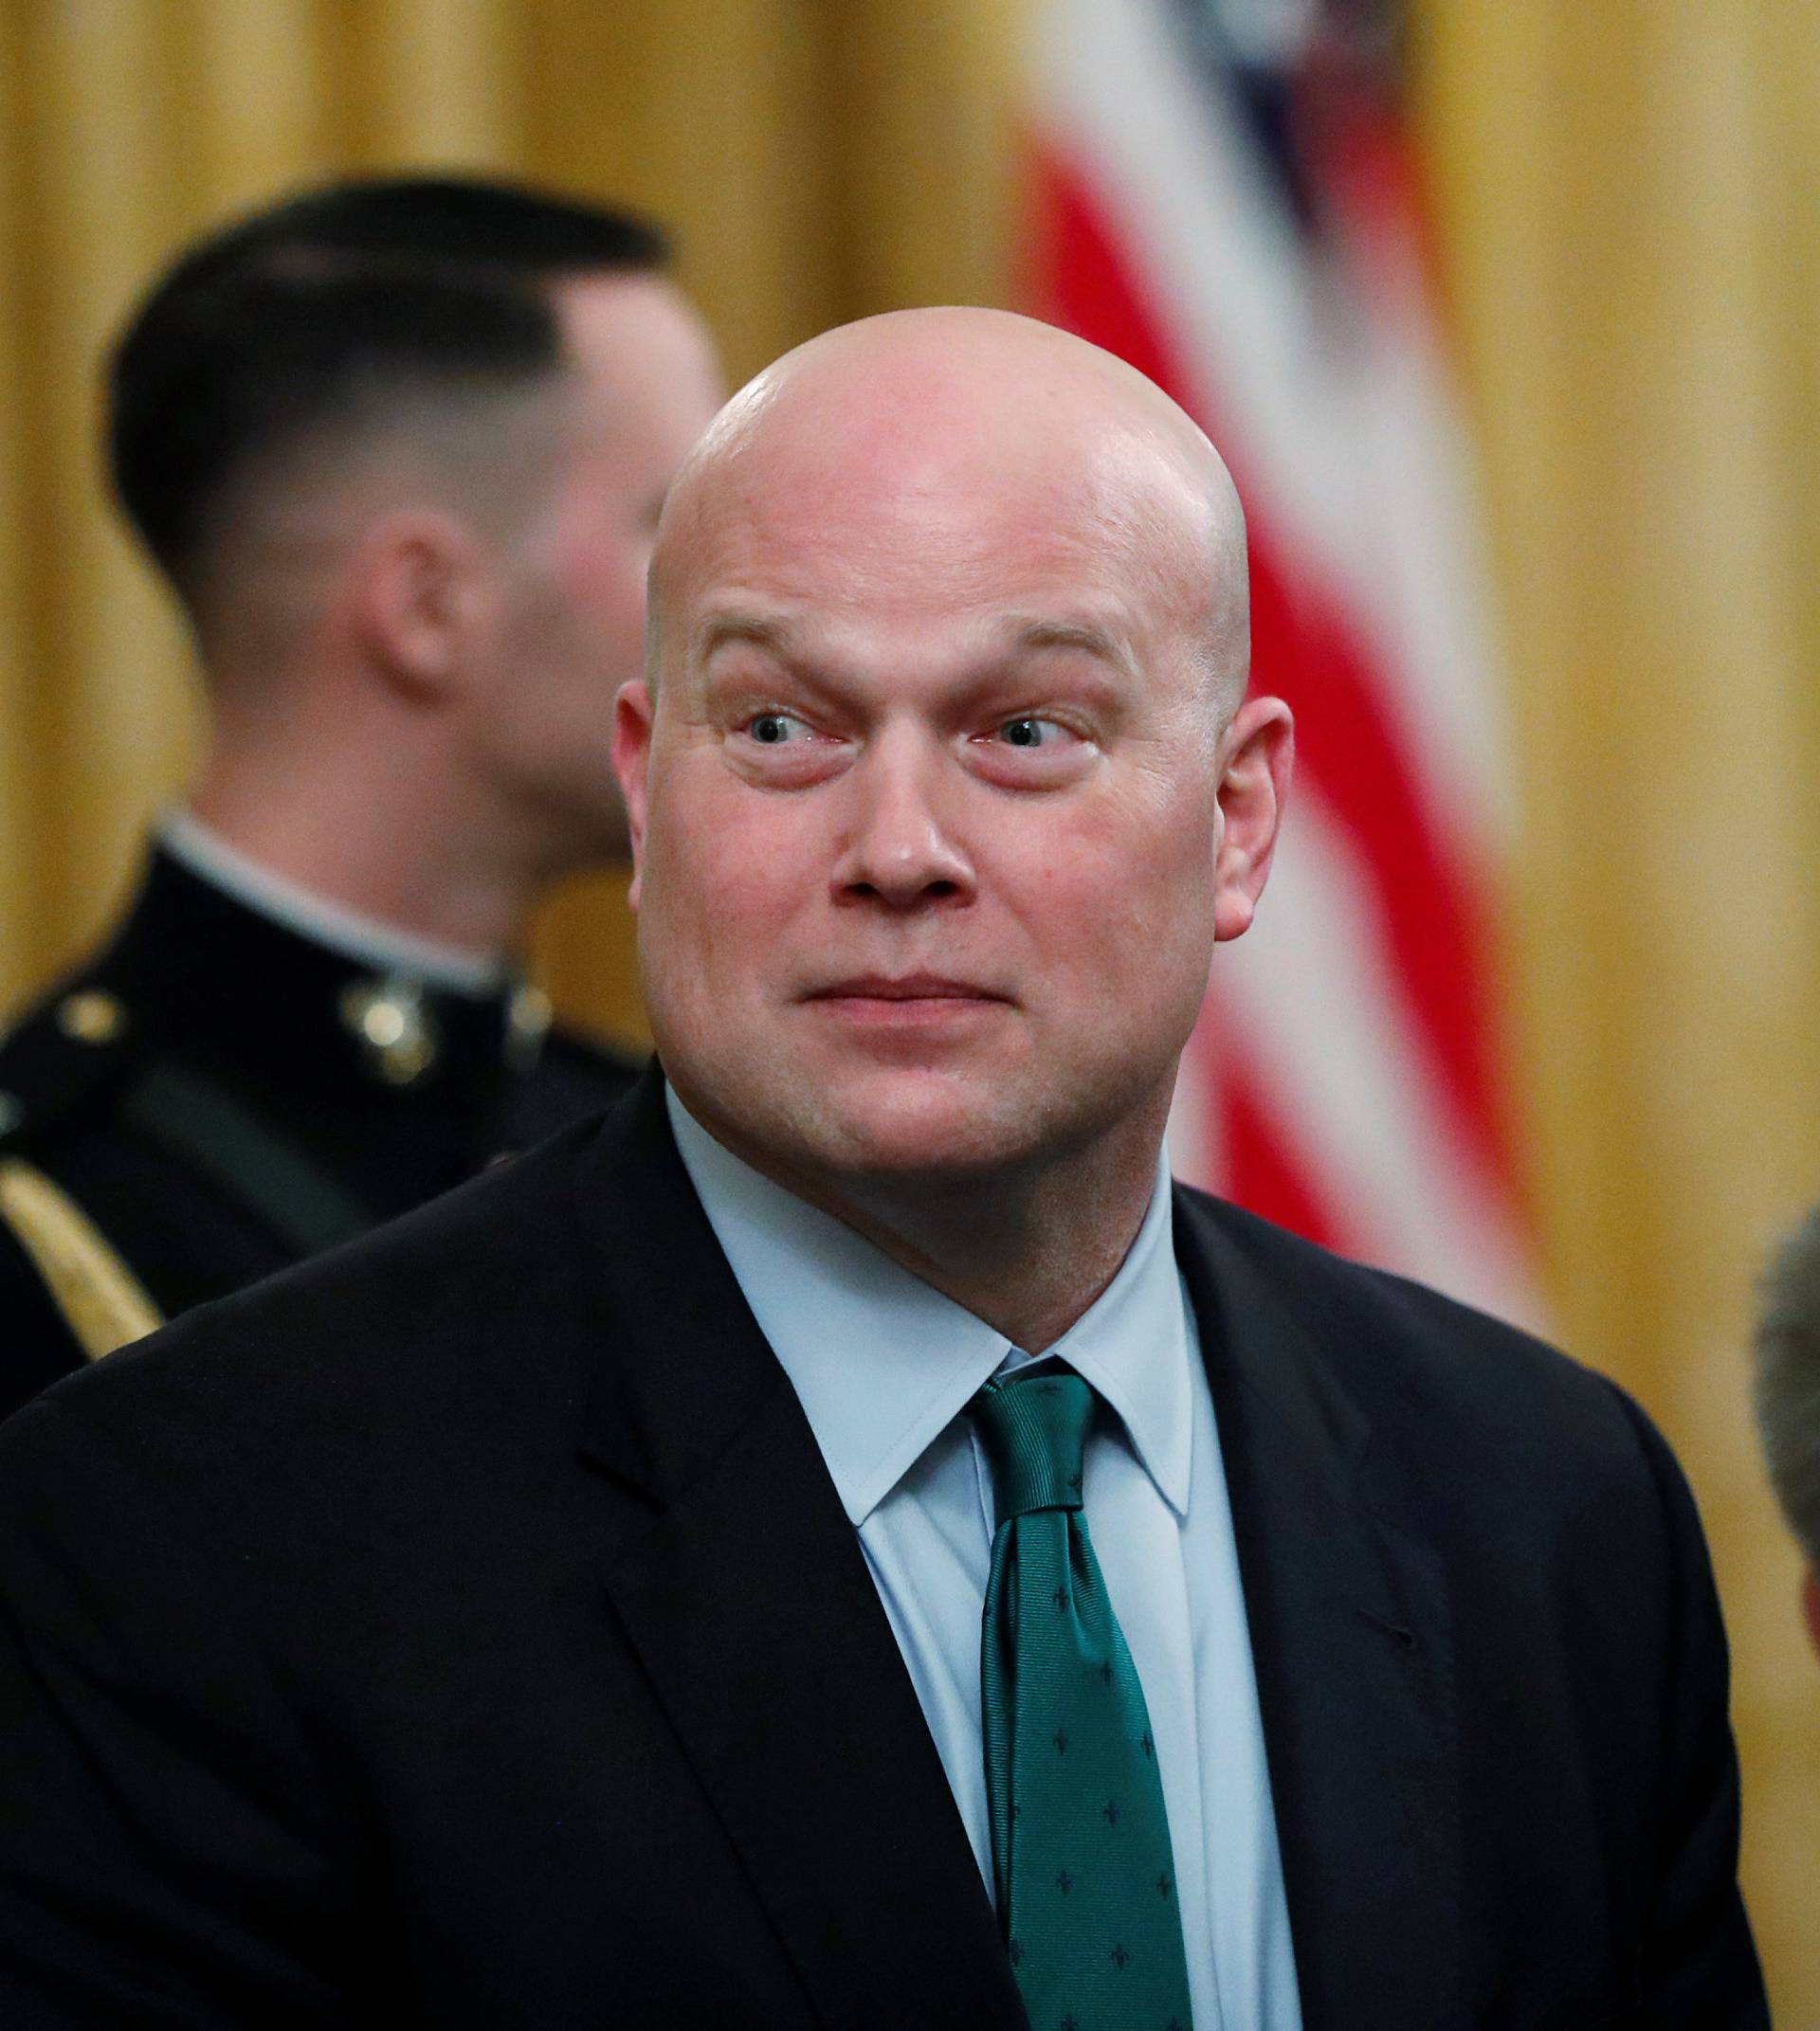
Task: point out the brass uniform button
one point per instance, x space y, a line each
91 1016
395 1026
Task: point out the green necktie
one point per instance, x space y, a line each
1080 1855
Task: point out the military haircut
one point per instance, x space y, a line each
1788 1380
335 308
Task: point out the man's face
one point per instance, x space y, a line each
573 629
926 814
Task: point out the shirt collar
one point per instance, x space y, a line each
882 1362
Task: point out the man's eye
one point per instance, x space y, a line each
1031 731
776 730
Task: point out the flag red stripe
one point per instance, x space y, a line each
1371 173
1262 1173
1430 920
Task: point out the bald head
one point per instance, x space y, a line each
940 430
949 787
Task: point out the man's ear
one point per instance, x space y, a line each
1811 1604
416 593
1258 753
632 714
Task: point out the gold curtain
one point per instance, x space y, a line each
1626 204
1624 199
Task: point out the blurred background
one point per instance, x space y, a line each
1508 319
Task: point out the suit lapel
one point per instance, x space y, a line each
750 1605
1351 1642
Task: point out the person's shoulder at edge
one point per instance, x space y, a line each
68 1047
36 1344
64 1058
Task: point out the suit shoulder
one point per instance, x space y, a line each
1397 1338
1329 1280
1474 1424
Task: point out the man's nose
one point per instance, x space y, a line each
903 846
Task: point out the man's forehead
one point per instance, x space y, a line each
830 538
902 505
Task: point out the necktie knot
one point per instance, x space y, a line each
1034 1430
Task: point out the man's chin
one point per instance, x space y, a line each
942 1136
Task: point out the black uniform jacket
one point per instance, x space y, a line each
208 1093
462 1629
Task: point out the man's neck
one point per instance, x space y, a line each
383 858
1028 1249
369 942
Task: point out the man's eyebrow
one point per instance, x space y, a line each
762 631
1090 636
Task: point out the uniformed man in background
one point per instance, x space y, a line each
399 446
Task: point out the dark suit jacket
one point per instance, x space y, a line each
463 1630
226 1120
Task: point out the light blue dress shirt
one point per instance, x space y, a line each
884 1367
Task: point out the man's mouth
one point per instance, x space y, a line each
905 1003
904 987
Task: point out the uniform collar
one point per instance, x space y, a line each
200 971
883 1363
379 947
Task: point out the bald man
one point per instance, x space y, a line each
843 1541
398 446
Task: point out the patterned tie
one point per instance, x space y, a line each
1086 1884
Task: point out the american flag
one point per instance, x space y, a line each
1224 193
